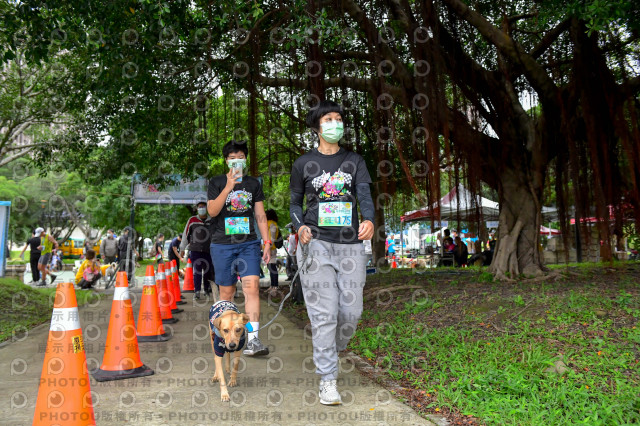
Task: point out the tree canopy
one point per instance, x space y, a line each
496 94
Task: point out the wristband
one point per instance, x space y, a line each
268 242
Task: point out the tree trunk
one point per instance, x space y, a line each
379 236
517 250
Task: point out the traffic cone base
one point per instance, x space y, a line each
106 375
157 338
177 310
170 320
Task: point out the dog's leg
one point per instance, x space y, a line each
218 370
224 393
234 372
227 359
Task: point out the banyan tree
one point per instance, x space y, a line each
526 97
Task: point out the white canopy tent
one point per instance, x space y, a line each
460 203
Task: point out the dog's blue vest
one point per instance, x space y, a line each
218 341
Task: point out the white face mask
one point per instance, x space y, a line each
202 211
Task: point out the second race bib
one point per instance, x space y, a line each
335 213
236 225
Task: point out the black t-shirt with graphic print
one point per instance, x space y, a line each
329 182
235 223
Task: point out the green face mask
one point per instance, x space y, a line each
332 131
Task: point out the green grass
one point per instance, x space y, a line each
481 348
24 307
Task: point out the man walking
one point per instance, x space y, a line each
34 256
47 245
234 201
109 248
158 248
174 251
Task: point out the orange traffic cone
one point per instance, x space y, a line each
150 327
394 265
170 286
176 283
164 297
64 394
187 286
121 355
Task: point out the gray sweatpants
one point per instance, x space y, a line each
332 284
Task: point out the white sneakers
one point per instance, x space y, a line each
329 394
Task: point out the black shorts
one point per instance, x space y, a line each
44 259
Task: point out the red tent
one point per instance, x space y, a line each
549 231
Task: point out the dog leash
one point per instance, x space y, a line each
305 264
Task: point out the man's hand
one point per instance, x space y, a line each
365 232
232 179
304 234
266 255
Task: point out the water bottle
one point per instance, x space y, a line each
237 170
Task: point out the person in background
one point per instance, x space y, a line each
197 238
274 232
174 251
127 253
391 249
335 183
234 201
460 252
491 242
47 245
86 247
34 255
158 248
447 242
89 272
109 248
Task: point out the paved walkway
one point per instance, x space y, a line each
280 389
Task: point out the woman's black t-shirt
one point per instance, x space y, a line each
34 243
329 182
235 223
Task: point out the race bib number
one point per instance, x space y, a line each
336 213
236 225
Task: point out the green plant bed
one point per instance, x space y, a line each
559 352
24 307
